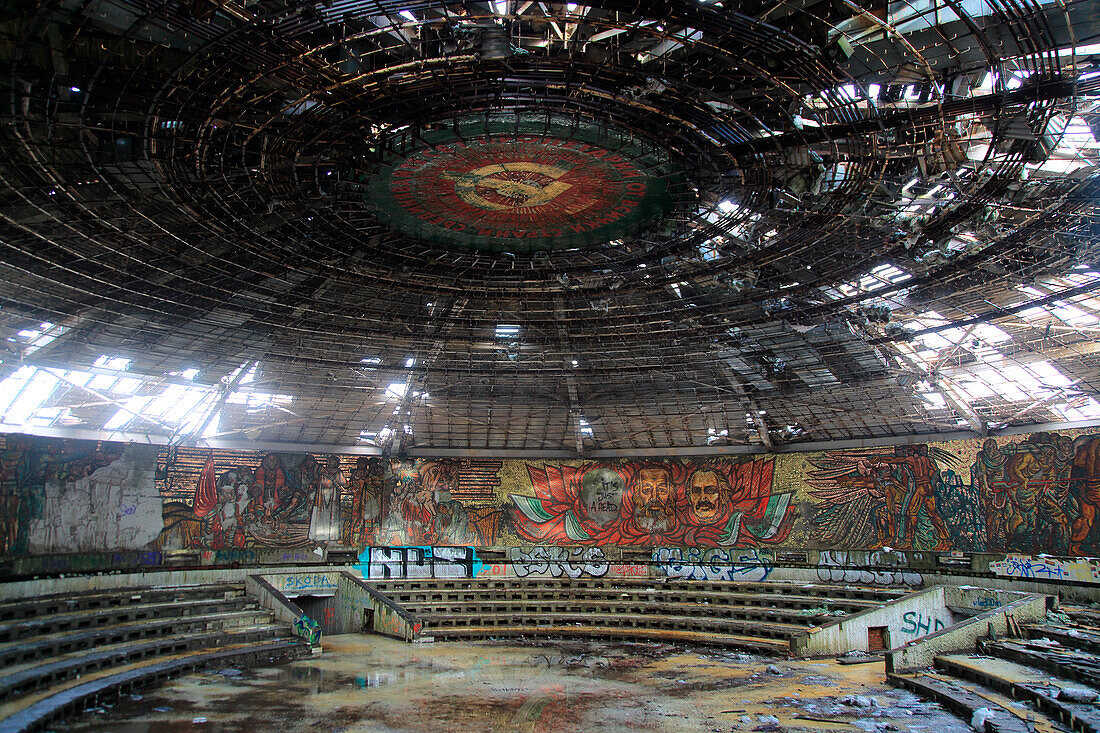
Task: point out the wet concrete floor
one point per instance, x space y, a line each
369 683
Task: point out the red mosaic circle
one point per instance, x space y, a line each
518 187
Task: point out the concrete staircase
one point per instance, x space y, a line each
1047 679
58 654
759 617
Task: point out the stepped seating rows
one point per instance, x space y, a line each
676 591
755 616
124 639
1049 680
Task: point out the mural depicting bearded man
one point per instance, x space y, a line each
649 506
710 515
705 491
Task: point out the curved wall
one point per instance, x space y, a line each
1037 493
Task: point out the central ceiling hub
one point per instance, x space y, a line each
516 190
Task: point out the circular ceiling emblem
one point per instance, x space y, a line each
520 192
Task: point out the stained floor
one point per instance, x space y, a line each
368 683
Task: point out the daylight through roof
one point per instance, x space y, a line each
510 225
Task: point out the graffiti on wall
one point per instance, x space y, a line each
394 563
1030 495
867 568
571 562
303 584
308 629
711 564
705 503
914 625
1082 570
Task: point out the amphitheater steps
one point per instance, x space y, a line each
95 644
1068 636
648 596
1024 682
747 643
649 622
758 617
645 607
100 617
34 677
50 605
1072 664
772 593
1055 669
965 697
53 645
42 710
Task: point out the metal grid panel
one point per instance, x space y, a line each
867 191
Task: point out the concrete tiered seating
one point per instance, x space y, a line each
755 616
1054 670
124 639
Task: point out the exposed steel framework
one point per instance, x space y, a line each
884 222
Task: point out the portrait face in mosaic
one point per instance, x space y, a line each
653 499
704 494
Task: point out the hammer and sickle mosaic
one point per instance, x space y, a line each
518 192
509 185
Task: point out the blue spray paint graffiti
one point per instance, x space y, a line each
916 624
712 564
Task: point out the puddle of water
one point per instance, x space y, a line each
365 683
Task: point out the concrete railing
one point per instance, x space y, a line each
920 653
283 608
387 617
923 609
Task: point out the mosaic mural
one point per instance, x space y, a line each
687 504
522 183
1034 494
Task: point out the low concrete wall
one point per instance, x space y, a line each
919 611
283 608
919 653
389 619
78 583
879 568
314 583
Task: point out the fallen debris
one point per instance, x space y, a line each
980 717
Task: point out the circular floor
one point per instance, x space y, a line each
368 683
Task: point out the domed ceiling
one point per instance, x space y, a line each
548 226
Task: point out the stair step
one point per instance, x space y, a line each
30 608
1072 664
1088 617
650 622
19 652
1067 636
780 590
72 699
39 676
1023 681
964 697
756 644
649 606
100 617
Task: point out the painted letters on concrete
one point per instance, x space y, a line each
1082 570
866 568
711 564
572 562
386 563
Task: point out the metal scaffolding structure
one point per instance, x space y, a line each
860 221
